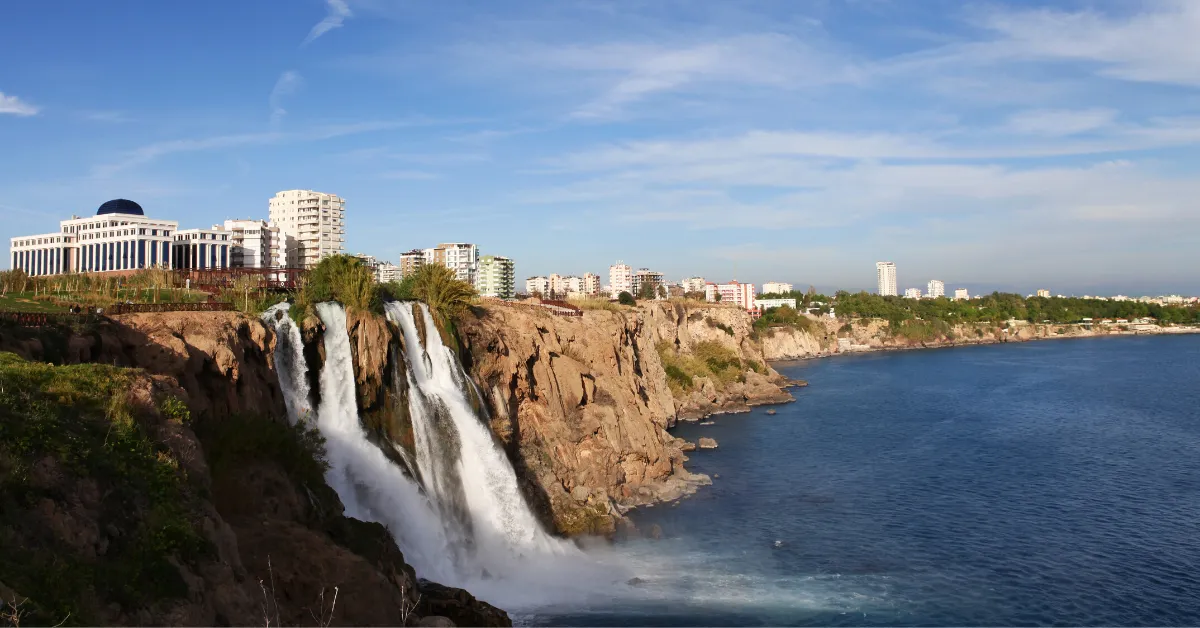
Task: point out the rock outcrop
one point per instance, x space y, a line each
582 404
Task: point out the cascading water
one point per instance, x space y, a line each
465 523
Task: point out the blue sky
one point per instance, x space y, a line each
1010 145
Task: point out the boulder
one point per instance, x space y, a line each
708 443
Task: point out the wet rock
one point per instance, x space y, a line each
687 446
708 443
436 621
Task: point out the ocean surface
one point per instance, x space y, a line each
1041 483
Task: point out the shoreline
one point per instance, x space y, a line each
1175 331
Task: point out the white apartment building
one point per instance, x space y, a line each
557 286
316 221
620 278
741 294
776 287
495 277
1045 294
935 289
538 286
693 284
257 244
960 294
645 276
118 238
387 272
885 273
460 257
591 284
767 304
201 249
912 293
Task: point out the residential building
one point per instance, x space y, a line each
387 272
495 277
118 238
368 260
572 285
912 293
411 261
935 289
620 278
741 294
693 284
885 273
776 287
645 276
960 294
538 286
316 222
258 244
1045 294
591 284
460 257
767 304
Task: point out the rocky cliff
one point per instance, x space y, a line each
271 540
583 403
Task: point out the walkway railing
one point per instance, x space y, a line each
141 308
46 319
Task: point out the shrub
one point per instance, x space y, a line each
721 326
626 299
446 296
342 278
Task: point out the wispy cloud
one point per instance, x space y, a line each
287 84
109 117
1061 122
338 11
15 106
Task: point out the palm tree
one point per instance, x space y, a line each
446 295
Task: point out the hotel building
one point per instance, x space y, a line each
776 287
885 274
935 289
118 238
741 294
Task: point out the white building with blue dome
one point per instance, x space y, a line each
119 238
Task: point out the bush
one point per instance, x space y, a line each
721 326
446 296
626 299
342 278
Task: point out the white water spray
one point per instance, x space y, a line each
289 362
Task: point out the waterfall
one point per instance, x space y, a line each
463 521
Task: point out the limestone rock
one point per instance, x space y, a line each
708 443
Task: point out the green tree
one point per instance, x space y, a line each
446 295
626 299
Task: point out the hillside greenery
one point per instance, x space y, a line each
706 359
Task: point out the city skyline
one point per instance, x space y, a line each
1018 147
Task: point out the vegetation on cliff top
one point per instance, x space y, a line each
999 307
77 454
708 358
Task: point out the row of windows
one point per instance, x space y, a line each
37 241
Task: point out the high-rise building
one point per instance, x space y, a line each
1045 294
460 257
620 278
591 284
935 289
411 261
316 222
259 244
495 277
387 272
960 294
885 273
776 287
912 293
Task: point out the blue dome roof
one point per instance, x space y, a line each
120 206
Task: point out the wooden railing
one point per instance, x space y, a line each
46 319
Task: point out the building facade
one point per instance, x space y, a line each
741 294
620 278
118 238
591 284
496 277
387 272
460 257
409 262
912 293
316 222
537 286
201 249
885 274
645 276
776 287
935 289
693 284
960 294
767 304
255 244
1045 294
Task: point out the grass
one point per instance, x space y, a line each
707 359
81 418
596 304
237 440
25 302
721 326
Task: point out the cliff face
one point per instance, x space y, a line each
583 404
278 541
